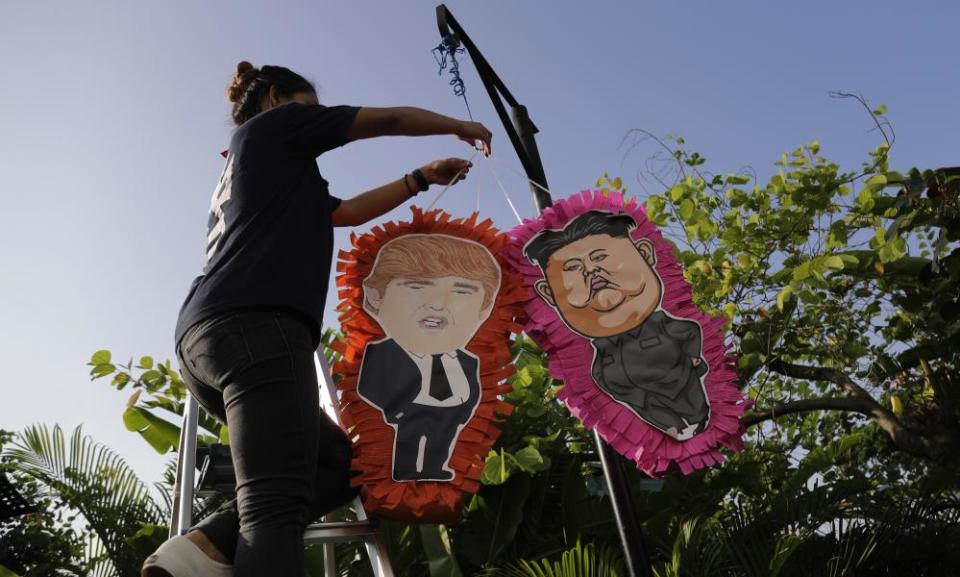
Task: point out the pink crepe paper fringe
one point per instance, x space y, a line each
571 355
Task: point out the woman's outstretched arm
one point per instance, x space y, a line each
377 201
411 121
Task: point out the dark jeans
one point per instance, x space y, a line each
254 370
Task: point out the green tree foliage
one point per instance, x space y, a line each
841 289
152 410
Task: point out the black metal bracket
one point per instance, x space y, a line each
520 129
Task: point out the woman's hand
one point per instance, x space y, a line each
444 171
471 132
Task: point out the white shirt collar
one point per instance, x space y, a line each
449 354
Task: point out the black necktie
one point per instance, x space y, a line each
439 385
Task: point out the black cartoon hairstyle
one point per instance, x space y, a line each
544 244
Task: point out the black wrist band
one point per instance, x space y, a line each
421 179
410 188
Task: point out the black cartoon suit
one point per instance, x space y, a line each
650 369
391 381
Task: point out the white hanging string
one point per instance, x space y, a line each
522 175
504 191
453 180
496 179
478 196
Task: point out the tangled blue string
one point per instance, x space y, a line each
449 47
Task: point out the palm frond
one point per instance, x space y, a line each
95 481
695 551
96 558
579 561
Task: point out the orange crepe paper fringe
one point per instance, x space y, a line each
424 501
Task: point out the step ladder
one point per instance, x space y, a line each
326 533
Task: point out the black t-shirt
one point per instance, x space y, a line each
270 234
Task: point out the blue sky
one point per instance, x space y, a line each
112 115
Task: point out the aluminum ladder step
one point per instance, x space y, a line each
339 531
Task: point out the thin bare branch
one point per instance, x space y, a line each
823 404
908 440
879 120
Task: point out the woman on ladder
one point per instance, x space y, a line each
250 325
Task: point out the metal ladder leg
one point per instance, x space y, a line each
373 541
183 487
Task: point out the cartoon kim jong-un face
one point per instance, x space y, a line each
431 292
601 281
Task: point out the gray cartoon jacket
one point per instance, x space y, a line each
651 370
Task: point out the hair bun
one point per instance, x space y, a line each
246 73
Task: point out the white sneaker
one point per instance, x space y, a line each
180 557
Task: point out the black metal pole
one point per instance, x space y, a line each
526 131
521 132
631 535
